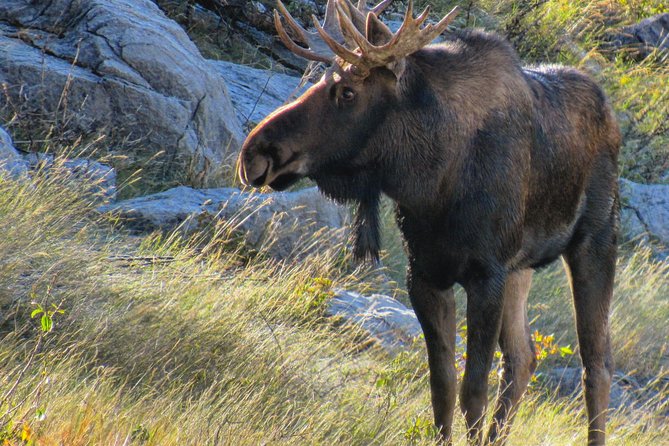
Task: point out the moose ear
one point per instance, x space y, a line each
378 34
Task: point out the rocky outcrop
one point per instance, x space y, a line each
254 20
626 392
386 320
90 177
257 93
281 225
10 159
645 210
123 69
641 39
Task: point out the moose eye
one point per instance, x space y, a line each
347 94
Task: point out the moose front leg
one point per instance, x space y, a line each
485 303
436 313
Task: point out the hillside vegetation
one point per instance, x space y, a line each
108 338
170 341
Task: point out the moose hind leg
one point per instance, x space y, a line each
436 313
591 267
518 353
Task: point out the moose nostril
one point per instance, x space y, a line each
260 181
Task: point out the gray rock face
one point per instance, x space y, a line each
283 225
644 37
120 68
566 382
96 178
645 210
384 318
257 93
387 320
10 159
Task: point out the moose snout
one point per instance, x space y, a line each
263 163
254 168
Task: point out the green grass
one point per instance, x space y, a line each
167 340
173 341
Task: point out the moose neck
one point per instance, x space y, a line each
446 97
362 187
418 156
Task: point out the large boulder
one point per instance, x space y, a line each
11 160
88 176
385 319
254 20
641 39
85 175
645 210
123 69
257 93
281 225
567 382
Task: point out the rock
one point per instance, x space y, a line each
645 210
123 69
387 320
642 38
384 318
96 178
256 22
257 93
10 159
566 382
281 225
268 43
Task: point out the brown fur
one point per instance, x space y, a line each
496 169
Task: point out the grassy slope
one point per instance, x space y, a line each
205 347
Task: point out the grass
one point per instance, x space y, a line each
173 340
166 340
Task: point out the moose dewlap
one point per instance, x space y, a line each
496 169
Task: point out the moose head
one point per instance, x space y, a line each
335 132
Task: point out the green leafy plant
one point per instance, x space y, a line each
46 315
318 291
420 429
545 345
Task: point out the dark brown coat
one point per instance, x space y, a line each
496 170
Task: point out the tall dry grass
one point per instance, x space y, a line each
168 340
173 340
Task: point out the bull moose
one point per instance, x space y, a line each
496 169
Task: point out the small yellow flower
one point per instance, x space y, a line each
26 433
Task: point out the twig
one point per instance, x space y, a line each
271 330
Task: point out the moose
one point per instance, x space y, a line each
496 169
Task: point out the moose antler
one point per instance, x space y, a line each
359 13
317 49
408 39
